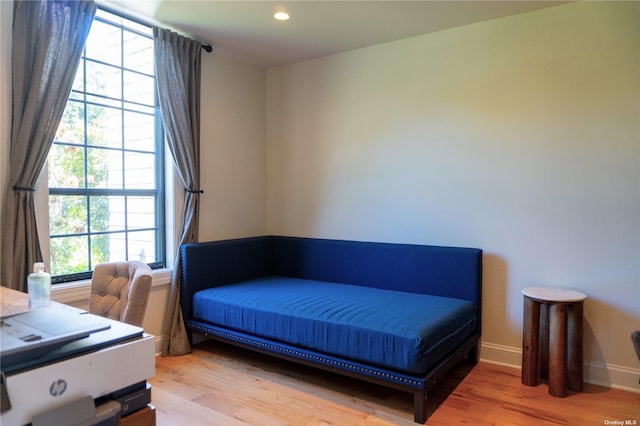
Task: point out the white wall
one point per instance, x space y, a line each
233 169
520 136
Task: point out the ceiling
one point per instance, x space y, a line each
247 30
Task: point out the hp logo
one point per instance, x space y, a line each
58 387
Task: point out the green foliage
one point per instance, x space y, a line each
68 215
68 255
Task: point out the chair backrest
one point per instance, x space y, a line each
120 291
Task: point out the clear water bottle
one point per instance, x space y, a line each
39 287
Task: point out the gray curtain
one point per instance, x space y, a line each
177 62
48 38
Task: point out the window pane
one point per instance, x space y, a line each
142 246
103 43
71 128
140 28
67 214
146 109
104 126
104 168
138 53
141 170
140 212
104 80
101 100
107 213
108 248
69 255
139 133
139 88
66 166
100 250
78 81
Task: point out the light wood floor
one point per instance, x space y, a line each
218 384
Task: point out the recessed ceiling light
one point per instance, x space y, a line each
281 16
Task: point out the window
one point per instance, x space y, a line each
105 168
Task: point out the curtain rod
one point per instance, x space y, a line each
118 11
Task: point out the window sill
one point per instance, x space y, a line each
78 291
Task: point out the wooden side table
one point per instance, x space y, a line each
552 339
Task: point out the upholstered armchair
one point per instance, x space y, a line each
120 291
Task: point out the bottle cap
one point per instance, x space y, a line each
38 267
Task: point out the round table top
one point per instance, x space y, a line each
553 294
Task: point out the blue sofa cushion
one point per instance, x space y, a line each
398 330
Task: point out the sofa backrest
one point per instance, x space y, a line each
440 271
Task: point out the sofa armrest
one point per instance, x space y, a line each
211 264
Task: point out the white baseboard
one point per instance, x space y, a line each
502 355
158 343
608 375
613 376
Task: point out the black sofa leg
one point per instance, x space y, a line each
419 406
473 356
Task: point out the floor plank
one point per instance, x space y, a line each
219 384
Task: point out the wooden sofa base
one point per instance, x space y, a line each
420 388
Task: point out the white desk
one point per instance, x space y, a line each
95 366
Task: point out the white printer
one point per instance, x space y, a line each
55 357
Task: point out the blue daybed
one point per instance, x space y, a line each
400 315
